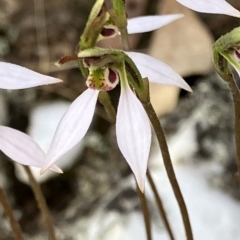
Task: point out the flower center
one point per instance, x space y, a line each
104 79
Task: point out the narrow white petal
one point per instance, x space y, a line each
150 23
72 127
22 149
133 134
157 71
16 77
211 6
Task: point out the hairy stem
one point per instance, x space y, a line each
160 205
41 204
9 213
236 100
146 214
169 167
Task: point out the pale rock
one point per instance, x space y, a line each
185 45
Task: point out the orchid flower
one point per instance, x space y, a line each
132 125
15 144
211 6
104 69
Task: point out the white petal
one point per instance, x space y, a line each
72 127
133 134
157 71
150 23
16 77
211 6
21 148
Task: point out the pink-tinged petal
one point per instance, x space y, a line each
133 134
150 23
22 149
211 6
16 77
72 127
157 71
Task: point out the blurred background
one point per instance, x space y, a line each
95 198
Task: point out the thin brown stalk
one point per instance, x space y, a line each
236 100
9 213
169 167
160 205
41 204
146 214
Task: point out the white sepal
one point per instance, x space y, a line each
72 127
211 6
22 149
157 71
16 77
150 23
133 133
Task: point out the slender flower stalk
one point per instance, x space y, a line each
146 215
160 206
9 213
41 204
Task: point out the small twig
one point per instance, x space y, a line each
169 167
160 206
146 214
9 213
41 203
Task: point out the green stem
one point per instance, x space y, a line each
41 204
236 100
160 205
146 214
9 213
169 167
125 40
